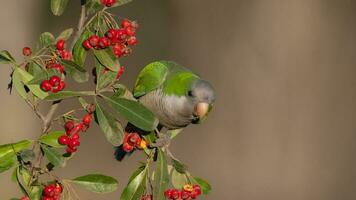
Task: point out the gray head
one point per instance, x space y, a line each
203 96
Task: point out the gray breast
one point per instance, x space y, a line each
172 111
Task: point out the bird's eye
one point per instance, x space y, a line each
190 93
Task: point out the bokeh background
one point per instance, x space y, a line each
284 124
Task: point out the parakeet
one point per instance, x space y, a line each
174 94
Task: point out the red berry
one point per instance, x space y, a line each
26 51
66 55
46 86
111 34
86 44
76 136
63 140
121 34
134 139
58 189
48 191
130 31
125 23
184 194
25 198
175 194
60 45
197 189
168 193
87 119
69 125
132 41
109 3
194 194
57 66
73 144
61 85
71 150
76 129
104 42
94 40
127 147
54 80
46 198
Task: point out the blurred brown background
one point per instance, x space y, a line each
284 124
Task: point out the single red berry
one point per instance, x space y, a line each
127 147
57 66
63 140
26 51
111 34
69 125
60 45
184 194
86 44
120 72
54 80
168 193
130 31
61 85
194 194
58 189
48 191
71 150
66 55
73 143
46 85
77 128
110 3
87 119
121 33
104 42
94 40
125 23
132 41
76 136
134 139
175 194
197 189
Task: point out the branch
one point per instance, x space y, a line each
80 27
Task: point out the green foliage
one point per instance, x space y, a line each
53 156
68 94
134 112
46 39
110 126
136 186
58 6
205 186
79 53
96 183
6 58
161 179
65 35
105 77
51 139
43 75
107 59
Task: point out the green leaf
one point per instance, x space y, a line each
65 35
6 58
137 172
178 179
46 39
7 161
18 84
53 156
161 179
97 183
134 112
79 53
109 125
104 77
179 167
77 72
36 192
34 69
174 133
136 186
19 180
205 186
68 94
43 76
51 139
107 58
17 147
83 102
35 89
58 6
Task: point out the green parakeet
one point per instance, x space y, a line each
176 96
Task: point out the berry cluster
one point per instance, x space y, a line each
187 193
108 3
52 192
56 66
147 197
26 51
133 140
54 84
120 39
71 138
61 51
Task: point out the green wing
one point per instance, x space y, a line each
173 78
150 78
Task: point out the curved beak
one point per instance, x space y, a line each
201 110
